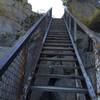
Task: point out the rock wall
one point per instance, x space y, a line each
12 13
16 17
87 11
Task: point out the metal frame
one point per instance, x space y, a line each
6 60
21 50
28 90
90 34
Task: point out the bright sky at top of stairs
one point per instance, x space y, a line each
43 5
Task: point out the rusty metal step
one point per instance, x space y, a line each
58 41
62 37
60 76
68 59
57 38
57 53
58 44
61 31
57 35
59 89
59 66
58 48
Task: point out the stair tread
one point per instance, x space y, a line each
60 76
57 66
55 41
68 59
55 38
58 35
65 37
58 48
57 53
65 44
60 45
59 89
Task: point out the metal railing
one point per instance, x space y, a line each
76 28
18 63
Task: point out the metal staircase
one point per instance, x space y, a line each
55 59
58 49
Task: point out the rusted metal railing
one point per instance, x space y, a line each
75 27
18 63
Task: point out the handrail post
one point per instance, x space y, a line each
23 55
69 24
75 31
97 67
91 34
51 13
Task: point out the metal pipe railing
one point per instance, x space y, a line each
88 31
14 65
6 60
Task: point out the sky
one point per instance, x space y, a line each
43 6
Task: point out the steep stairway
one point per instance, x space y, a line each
58 75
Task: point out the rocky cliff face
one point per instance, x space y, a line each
12 13
16 17
87 11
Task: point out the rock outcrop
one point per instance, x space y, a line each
12 13
87 11
16 17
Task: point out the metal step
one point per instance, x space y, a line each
58 59
58 66
61 31
59 89
55 38
58 44
61 37
58 48
57 53
60 76
57 35
58 41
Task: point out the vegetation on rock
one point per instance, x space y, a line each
87 11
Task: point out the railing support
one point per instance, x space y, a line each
13 65
72 33
23 55
97 67
75 31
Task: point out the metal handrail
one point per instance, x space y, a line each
92 35
88 31
7 59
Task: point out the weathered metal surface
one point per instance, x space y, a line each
69 59
89 32
12 65
59 89
6 60
58 48
23 57
97 67
60 76
68 26
31 78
